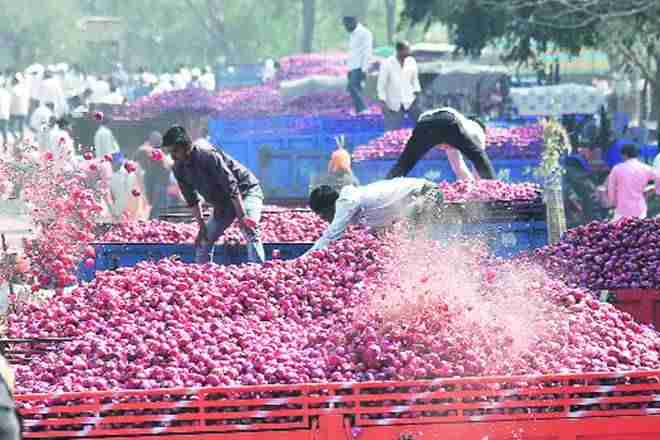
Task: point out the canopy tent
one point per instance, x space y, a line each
563 99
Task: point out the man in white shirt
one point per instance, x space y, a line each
20 105
104 142
40 118
60 142
208 79
449 129
113 98
359 55
5 112
100 89
378 205
398 87
51 91
164 85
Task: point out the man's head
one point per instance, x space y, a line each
50 106
630 151
350 23
155 139
402 49
64 124
322 202
177 143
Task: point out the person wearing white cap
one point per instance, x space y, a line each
179 79
164 85
269 71
99 87
60 142
51 91
73 83
20 106
359 56
195 82
41 117
207 80
114 97
5 112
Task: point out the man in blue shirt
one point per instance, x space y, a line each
232 190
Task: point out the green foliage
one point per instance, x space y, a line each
556 145
474 25
163 33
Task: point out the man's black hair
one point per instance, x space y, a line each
402 44
50 105
630 150
176 136
323 198
63 122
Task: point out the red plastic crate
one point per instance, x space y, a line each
643 305
604 406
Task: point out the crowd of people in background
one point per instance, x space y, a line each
36 98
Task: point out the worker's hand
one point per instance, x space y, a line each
249 224
202 235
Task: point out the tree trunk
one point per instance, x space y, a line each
656 92
309 19
644 101
390 5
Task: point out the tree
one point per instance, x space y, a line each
628 28
43 33
309 20
390 7
475 24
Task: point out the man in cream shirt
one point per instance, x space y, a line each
398 87
359 55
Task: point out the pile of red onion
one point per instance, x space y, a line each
364 309
488 191
276 227
240 103
303 65
607 255
502 143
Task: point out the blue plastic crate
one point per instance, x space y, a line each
221 128
110 256
224 128
286 164
286 251
352 124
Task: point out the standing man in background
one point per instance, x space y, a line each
20 106
208 79
398 87
51 91
5 111
359 54
627 184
